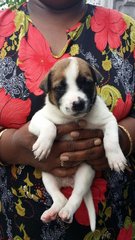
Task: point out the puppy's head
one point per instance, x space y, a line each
70 85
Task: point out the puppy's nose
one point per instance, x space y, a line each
78 106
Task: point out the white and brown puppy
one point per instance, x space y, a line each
71 95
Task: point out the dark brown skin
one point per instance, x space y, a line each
53 18
60 4
16 145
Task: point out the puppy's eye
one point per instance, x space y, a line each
61 87
83 83
58 89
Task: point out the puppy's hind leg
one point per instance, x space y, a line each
82 182
52 186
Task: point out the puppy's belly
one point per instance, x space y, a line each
66 181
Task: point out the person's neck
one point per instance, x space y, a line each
71 14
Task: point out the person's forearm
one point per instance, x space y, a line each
11 153
16 148
6 149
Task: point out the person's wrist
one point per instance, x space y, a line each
1 134
125 140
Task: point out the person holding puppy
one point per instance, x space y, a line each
33 37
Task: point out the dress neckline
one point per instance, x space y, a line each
73 28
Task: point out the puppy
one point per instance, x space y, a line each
71 95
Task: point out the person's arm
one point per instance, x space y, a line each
16 145
16 148
95 155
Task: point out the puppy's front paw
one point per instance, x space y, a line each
117 161
43 145
42 148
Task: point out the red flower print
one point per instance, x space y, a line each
125 234
98 189
13 111
122 108
35 59
7 26
134 54
108 25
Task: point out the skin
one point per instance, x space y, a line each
86 145
58 16
59 5
19 144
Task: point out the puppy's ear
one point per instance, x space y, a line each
46 84
97 76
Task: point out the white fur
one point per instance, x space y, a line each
43 126
73 93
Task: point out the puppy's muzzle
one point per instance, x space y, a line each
78 106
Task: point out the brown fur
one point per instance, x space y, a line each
57 73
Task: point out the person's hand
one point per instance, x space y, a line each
16 148
84 146
87 145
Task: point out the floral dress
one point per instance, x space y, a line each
105 39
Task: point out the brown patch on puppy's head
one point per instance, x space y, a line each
55 83
87 70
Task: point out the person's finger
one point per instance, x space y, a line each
94 152
86 133
69 164
64 129
72 146
75 156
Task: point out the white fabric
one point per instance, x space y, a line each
106 3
